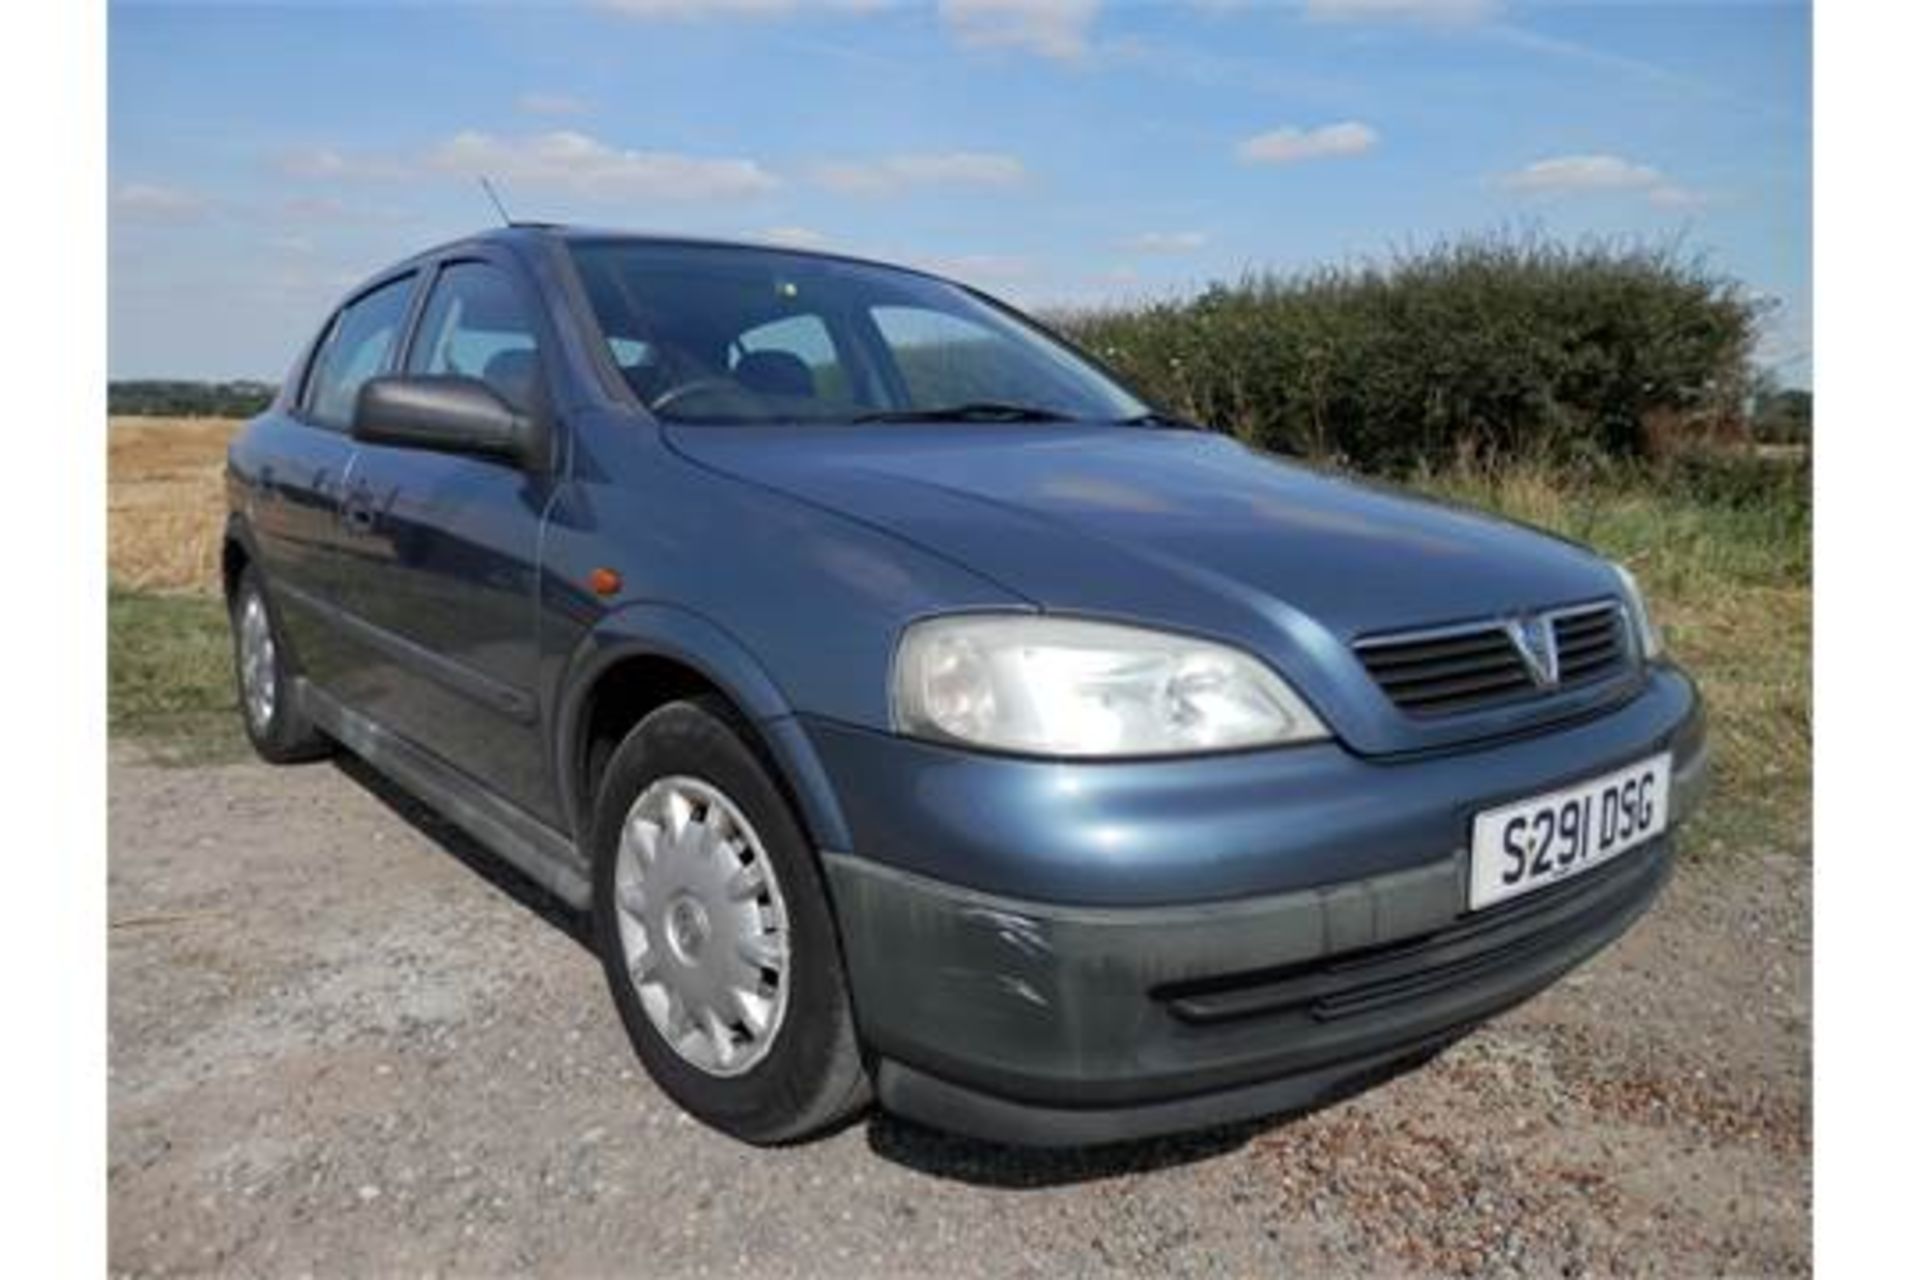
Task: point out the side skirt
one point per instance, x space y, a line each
536 849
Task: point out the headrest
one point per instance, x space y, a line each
513 373
774 373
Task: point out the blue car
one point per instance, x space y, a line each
921 716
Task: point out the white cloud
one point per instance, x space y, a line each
1049 28
1601 173
1582 173
893 174
152 202
794 237
684 10
562 160
327 163
312 162
551 104
974 268
698 8
573 162
1285 146
1166 241
1440 11
1670 195
327 210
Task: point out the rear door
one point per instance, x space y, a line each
298 463
446 551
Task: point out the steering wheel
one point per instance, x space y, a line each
673 395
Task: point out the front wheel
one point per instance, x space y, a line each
276 725
714 930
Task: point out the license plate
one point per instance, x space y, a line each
1532 843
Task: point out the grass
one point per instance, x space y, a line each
1723 550
170 676
1722 545
169 668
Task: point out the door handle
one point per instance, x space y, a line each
356 512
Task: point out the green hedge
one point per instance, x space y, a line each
1498 345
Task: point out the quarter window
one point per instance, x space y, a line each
476 327
359 347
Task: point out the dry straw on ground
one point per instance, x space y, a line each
164 501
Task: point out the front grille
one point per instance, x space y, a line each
1448 671
1465 668
1591 643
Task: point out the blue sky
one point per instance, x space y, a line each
263 157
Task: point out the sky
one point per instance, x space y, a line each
263 157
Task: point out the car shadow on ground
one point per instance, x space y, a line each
475 856
898 1141
989 1164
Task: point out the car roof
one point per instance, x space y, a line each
523 233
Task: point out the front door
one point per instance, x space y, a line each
446 591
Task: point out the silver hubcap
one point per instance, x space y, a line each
258 681
703 928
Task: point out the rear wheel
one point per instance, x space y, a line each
714 930
276 725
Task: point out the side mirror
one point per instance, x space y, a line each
451 414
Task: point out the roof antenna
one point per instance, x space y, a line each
488 188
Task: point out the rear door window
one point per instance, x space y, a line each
360 346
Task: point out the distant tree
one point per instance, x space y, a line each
1783 416
180 398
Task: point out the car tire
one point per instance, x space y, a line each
276 724
713 926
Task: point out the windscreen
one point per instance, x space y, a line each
722 334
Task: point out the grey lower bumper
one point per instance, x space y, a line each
1058 1025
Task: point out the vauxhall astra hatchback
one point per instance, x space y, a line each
922 716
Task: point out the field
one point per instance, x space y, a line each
1722 547
167 652
441 1085
164 506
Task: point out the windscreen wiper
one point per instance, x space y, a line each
972 411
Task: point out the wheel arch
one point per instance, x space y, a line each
236 553
645 655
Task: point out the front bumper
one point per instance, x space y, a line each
1029 1020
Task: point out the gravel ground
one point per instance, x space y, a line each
345 1041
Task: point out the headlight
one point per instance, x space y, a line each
1651 645
1064 687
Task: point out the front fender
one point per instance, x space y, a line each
655 630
